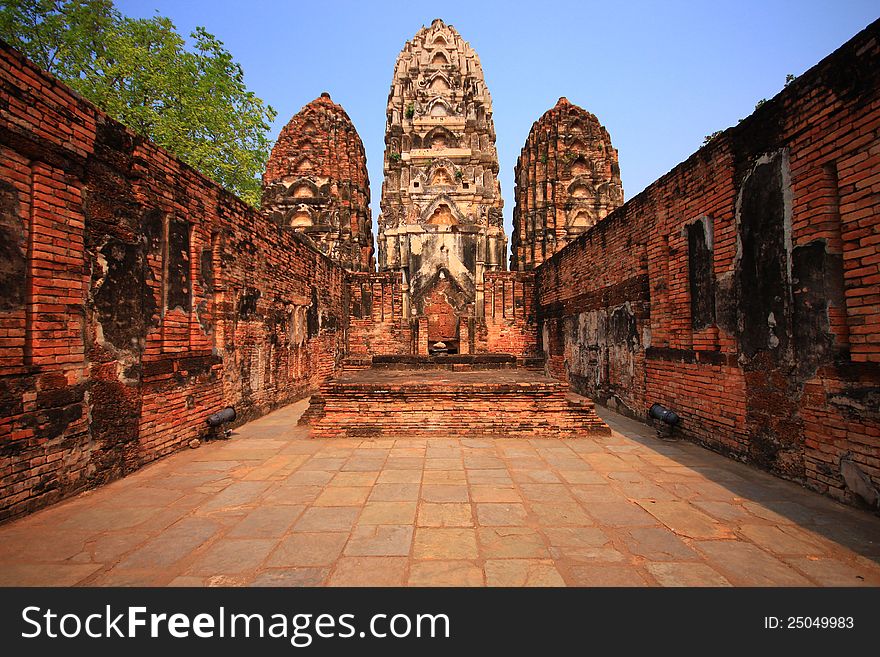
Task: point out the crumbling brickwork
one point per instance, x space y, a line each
136 298
741 288
316 183
567 179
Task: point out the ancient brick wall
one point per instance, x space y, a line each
136 298
741 288
509 322
376 324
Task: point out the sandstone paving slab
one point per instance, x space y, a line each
172 545
511 542
395 493
449 543
783 540
343 496
327 519
618 512
24 574
232 556
308 549
370 571
292 577
388 513
563 513
685 574
745 564
235 496
835 572
445 493
442 476
684 519
594 575
380 541
501 514
522 572
355 478
656 544
399 477
445 514
490 493
266 521
445 573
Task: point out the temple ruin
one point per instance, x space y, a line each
316 183
740 289
567 179
441 222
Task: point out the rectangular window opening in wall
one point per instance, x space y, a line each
700 273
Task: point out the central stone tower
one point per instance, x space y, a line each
441 222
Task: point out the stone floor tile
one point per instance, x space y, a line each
388 513
380 541
657 544
291 577
445 573
684 519
445 543
267 521
685 574
327 519
744 564
308 549
456 477
343 496
595 575
370 571
560 514
489 493
501 515
522 572
25 574
447 514
445 493
232 556
395 493
511 542
399 477
354 478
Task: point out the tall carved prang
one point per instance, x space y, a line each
316 183
567 179
441 222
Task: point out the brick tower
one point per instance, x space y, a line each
316 183
567 179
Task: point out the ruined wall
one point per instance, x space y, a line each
377 325
316 183
509 324
136 298
567 179
741 289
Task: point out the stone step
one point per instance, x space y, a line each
397 403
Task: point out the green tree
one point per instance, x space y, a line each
192 101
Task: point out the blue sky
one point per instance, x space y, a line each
659 75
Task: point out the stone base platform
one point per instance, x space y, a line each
504 401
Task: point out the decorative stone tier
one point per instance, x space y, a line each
501 402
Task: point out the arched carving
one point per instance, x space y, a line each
580 167
580 188
309 127
439 83
300 217
440 138
440 107
304 189
305 164
439 59
441 177
581 218
443 211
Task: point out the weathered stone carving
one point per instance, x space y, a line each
441 200
316 183
567 179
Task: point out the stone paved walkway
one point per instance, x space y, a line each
271 507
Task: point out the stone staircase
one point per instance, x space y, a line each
444 400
